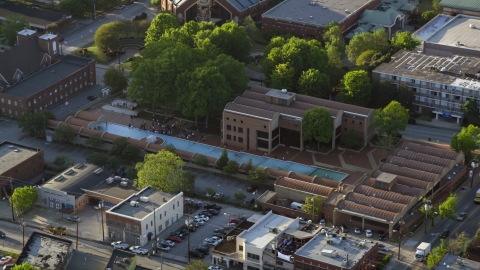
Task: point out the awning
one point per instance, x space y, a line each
68 206
150 234
107 204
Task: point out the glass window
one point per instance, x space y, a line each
146 226
229 137
127 226
229 127
110 222
240 247
262 134
240 139
119 224
240 130
135 228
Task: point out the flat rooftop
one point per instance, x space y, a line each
120 260
457 30
350 246
315 12
230 247
46 77
45 251
81 261
13 154
259 235
156 198
114 190
448 70
456 263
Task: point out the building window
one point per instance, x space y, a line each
240 130
234 120
229 127
298 265
127 226
15 103
178 204
228 118
262 134
253 256
146 226
160 216
119 224
234 138
234 128
353 121
165 213
9 102
241 121
135 228
229 137
240 247
306 267
240 139
173 206
151 222
110 222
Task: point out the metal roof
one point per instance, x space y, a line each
304 186
461 4
417 165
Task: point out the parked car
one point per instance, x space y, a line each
206 213
368 233
120 244
5 259
412 121
218 195
204 217
2 234
183 235
213 212
168 243
213 206
196 254
174 239
462 216
139 250
209 194
216 238
121 7
235 220
195 224
357 230
215 267
199 221
381 235
74 218
251 188
192 228
163 247
302 220
92 98
175 233
322 222
383 247
219 234
249 201
445 234
204 249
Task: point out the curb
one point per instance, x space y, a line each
434 126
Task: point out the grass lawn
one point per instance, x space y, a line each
98 55
127 65
257 47
425 5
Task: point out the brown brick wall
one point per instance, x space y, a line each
28 169
249 124
109 218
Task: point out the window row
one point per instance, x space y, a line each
234 120
229 137
240 129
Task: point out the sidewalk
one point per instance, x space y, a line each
440 123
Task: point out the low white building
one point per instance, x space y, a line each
136 219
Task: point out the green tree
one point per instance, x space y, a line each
23 198
118 145
437 254
239 195
352 140
470 109
391 119
163 21
377 41
249 165
317 125
460 245
386 92
74 7
232 39
431 213
333 37
107 35
163 171
33 124
313 205
231 168
115 79
365 58
140 27
404 40
131 172
24 266
356 88
201 160
127 28
113 163
448 209
250 27
94 141
65 133
97 158
258 176
10 26
436 6
223 160
131 153
427 16
466 141
61 162
196 264
283 77
334 57
234 73
315 84
210 191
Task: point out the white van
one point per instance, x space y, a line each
297 206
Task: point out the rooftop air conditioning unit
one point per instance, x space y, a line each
144 199
471 26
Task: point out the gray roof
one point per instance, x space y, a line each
7 8
42 250
13 154
81 261
458 30
48 76
243 4
461 4
318 13
385 18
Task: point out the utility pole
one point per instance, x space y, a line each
101 213
400 236
77 237
188 236
155 227
161 261
23 232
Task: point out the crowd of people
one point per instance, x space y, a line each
161 128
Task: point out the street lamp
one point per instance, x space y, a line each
100 205
154 228
427 207
24 224
400 236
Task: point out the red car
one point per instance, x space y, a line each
174 239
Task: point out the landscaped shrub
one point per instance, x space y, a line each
352 140
201 160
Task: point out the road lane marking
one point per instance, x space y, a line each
474 211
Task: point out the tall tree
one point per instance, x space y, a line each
404 40
94 141
466 141
333 37
231 168
460 245
197 265
159 25
334 57
356 88
317 125
115 79
107 35
258 176
386 92
448 209
391 119
223 160
140 27
233 71
10 26
427 16
239 195
437 254
436 6
232 39
470 109
23 198
65 133
163 171
97 158
283 77
431 213
313 205
315 84
377 41
34 124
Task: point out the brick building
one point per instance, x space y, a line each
133 220
264 118
20 162
36 76
307 18
219 11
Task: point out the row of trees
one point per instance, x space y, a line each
197 68
10 26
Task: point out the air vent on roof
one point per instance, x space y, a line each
98 171
164 200
79 166
347 11
69 172
443 69
284 90
59 179
273 230
144 199
471 26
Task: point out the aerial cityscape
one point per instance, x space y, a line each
239 134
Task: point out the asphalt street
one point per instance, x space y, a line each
423 133
84 35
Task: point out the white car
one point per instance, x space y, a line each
322 222
168 243
210 242
138 249
216 238
218 195
120 244
383 247
357 230
203 217
164 248
368 233
215 267
199 221
5 259
209 194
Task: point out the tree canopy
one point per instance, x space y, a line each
10 26
107 35
376 41
258 176
404 40
94 141
23 266
466 141
470 109
65 133
162 22
391 119
33 124
313 205
317 125
386 92
163 171
448 209
115 79
356 88
23 198
196 264
315 84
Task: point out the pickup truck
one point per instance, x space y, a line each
120 244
